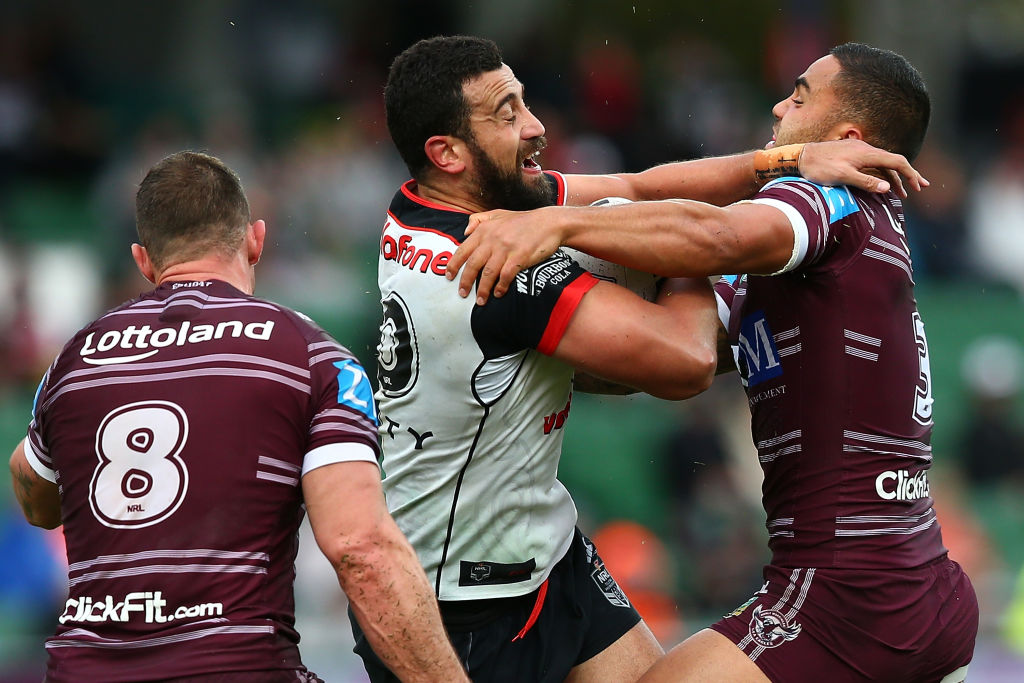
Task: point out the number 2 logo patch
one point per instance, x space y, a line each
354 389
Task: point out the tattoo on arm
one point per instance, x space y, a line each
39 499
24 488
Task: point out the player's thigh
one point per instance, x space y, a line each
623 661
705 657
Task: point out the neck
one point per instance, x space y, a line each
454 196
233 273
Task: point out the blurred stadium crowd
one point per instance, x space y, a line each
289 94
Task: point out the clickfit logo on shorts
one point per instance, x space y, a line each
901 485
135 338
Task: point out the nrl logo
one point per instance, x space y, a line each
480 572
770 628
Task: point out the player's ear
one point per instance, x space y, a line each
255 234
143 263
848 131
446 153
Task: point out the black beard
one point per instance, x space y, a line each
501 190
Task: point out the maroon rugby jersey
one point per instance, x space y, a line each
177 427
833 357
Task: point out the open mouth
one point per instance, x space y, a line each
530 162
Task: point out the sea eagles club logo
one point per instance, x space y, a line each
771 628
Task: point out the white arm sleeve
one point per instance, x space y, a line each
336 452
799 232
37 465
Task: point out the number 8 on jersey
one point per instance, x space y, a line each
140 480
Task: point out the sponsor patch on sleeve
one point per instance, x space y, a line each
354 388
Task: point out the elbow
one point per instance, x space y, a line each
48 523
699 379
360 560
44 519
694 376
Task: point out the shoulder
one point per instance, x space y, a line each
829 203
303 326
411 212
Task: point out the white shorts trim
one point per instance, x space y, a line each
958 676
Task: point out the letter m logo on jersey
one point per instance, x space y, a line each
757 357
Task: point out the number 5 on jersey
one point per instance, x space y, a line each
140 480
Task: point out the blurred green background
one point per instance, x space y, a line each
289 94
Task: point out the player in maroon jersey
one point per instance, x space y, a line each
178 438
832 353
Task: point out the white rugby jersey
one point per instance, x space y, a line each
472 407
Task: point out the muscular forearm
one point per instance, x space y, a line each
716 180
675 239
397 610
680 238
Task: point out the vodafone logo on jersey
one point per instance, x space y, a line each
413 256
148 341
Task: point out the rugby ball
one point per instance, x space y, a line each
640 283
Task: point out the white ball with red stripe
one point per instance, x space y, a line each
643 284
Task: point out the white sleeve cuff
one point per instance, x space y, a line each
37 465
337 452
799 226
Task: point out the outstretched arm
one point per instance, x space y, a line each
39 498
379 572
675 238
723 180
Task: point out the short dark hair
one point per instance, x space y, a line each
423 96
189 204
884 93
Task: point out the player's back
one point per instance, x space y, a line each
176 426
835 365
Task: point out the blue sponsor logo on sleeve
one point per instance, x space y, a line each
35 399
841 202
354 389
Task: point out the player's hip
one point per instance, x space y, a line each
913 625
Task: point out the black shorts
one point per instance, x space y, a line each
582 611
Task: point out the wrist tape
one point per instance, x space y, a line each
777 162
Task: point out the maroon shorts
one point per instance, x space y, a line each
855 625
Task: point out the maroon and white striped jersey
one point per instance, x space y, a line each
178 427
833 356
